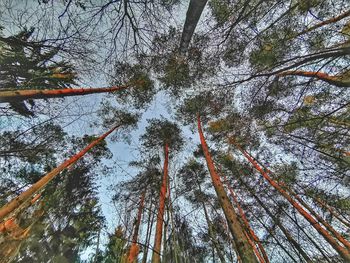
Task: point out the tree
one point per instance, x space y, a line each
193 173
166 135
195 108
17 202
134 249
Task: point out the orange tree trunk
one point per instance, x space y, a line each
326 22
17 95
134 249
244 249
289 237
333 80
160 216
314 213
148 232
25 196
343 252
262 255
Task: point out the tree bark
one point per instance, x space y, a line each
19 95
323 23
333 80
210 229
25 196
134 249
194 11
160 216
244 249
149 230
333 212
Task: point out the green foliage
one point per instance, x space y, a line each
140 89
26 65
306 5
161 132
177 73
206 104
192 175
286 174
38 147
116 248
221 10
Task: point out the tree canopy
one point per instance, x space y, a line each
175 131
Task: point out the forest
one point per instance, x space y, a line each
174 131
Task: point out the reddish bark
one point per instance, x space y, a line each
17 95
326 22
25 196
333 80
343 252
244 249
134 250
160 215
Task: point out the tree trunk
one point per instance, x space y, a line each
255 239
160 216
134 249
333 80
323 23
19 95
210 230
289 237
244 249
25 196
193 14
149 230
343 252
323 222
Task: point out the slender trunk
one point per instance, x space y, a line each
243 247
134 249
323 222
343 252
323 23
313 242
193 14
211 230
25 196
283 247
160 216
289 237
255 239
174 231
97 246
148 234
18 95
165 229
